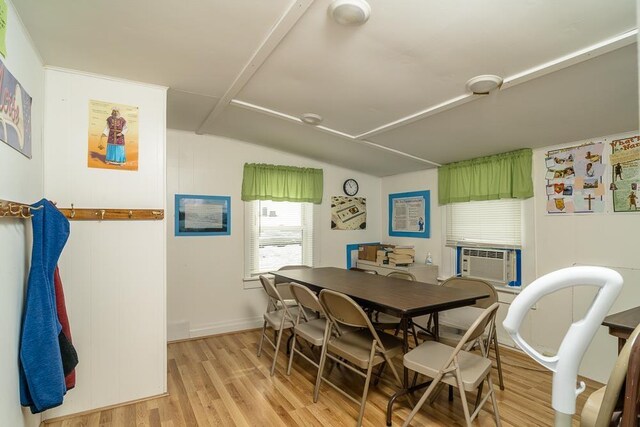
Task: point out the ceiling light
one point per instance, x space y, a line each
311 119
482 85
350 12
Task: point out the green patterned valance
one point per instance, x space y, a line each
503 176
281 183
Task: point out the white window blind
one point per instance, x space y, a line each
277 234
485 223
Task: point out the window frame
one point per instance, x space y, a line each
251 271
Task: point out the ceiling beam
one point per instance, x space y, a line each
268 45
296 120
572 58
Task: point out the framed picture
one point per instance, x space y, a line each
202 215
409 214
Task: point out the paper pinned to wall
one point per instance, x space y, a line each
625 171
574 179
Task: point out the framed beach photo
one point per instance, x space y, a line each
202 215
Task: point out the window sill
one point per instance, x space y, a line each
253 282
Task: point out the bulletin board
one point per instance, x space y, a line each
574 179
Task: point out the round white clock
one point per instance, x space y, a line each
350 187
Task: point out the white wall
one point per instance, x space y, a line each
21 181
550 242
416 181
206 293
113 271
608 239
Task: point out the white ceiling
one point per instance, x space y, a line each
391 91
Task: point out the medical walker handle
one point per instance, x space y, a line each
566 362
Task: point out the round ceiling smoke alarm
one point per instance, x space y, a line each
311 119
482 85
350 12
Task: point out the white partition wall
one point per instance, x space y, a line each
113 271
21 181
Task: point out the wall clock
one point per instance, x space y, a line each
350 187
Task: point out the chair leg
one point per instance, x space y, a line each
415 335
379 373
494 401
323 359
291 351
463 398
275 353
479 395
264 327
496 348
363 401
423 399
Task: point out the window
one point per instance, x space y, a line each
277 234
492 223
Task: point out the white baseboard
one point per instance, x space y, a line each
228 326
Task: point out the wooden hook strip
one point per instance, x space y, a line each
99 214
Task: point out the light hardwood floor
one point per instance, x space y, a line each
219 381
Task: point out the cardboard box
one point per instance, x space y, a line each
370 252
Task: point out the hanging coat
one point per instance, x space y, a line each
42 381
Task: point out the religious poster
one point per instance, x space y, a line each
113 136
15 113
625 171
574 179
348 213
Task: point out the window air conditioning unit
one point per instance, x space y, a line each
493 265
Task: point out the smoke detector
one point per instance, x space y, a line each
311 119
482 85
350 12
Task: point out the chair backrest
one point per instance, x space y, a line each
616 381
477 285
405 275
632 392
362 270
293 267
306 298
274 295
478 327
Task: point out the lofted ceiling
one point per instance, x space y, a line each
391 92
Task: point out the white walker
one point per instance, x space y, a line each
566 362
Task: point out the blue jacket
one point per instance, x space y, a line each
41 375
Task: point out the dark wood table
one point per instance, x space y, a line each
622 324
397 297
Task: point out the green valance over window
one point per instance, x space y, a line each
503 176
281 183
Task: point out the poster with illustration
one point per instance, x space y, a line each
348 213
574 179
15 113
625 173
113 136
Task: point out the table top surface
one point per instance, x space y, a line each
398 297
627 319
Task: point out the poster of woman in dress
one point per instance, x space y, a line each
113 136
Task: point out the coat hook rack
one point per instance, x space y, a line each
102 214
12 209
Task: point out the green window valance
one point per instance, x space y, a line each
281 183
503 176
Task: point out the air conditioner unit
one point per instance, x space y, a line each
493 265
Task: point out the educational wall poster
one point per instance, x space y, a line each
15 113
348 213
409 214
113 136
625 171
574 179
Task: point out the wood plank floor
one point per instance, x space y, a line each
219 381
